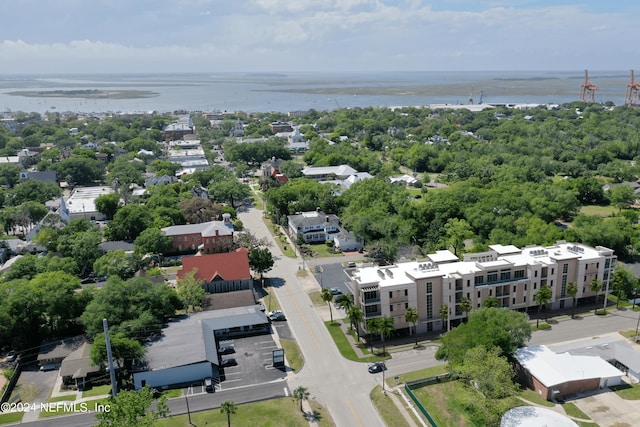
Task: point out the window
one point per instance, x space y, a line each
406 292
565 268
478 280
505 275
490 292
518 274
514 288
607 262
535 273
492 276
429 306
525 299
597 265
468 283
429 287
525 286
390 294
553 271
514 301
391 307
535 285
406 305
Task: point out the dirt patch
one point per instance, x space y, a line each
601 408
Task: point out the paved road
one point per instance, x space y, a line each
342 386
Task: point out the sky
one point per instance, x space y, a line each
149 36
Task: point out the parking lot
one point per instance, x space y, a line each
254 357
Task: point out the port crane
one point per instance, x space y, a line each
588 89
633 93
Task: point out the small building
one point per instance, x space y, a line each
160 180
82 204
220 272
326 173
186 351
559 375
277 127
43 176
53 352
207 237
347 241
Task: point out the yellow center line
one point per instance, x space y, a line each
355 415
304 319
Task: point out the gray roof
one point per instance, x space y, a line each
59 349
160 180
115 245
78 363
205 228
312 218
185 340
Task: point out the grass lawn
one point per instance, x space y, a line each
174 392
387 409
573 411
346 350
271 302
418 375
97 391
12 417
63 398
323 250
541 326
268 413
629 334
293 354
280 239
316 298
627 392
534 397
603 211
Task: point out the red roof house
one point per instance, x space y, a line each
223 272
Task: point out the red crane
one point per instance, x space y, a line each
588 89
633 93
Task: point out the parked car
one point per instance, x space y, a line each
335 291
11 356
228 362
227 349
377 367
276 315
351 264
208 385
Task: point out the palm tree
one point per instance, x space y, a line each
491 302
596 286
444 314
228 407
387 326
300 394
572 289
373 327
411 315
344 301
327 297
465 306
542 298
355 316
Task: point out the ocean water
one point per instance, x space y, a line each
282 92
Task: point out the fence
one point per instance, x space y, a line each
421 383
11 384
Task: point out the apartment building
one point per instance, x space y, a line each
510 274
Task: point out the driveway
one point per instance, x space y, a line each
35 385
606 408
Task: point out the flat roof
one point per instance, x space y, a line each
84 199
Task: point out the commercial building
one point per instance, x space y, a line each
82 204
511 275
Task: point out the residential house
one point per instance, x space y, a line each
160 180
44 176
207 237
403 179
326 173
271 170
223 272
557 376
314 227
277 127
53 352
510 274
77 369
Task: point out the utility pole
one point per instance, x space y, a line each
112 371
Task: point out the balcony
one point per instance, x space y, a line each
372 314
370 301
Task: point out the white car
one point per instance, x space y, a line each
276 315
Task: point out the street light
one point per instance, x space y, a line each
320 270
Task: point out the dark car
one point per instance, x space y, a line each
208 385
335 291
227 349
377 367
276 315
228 362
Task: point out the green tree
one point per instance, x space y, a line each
108 204
491 327
491 302
128 222
153 241
131 408
572 289
229 191
32 190
9 174
355 316
386 329
229 408
444 314
457 231
411 316
596 286
80 170
488 372
466 306
344 301
125 351
301 394
117 263
622 196
260 260
327 297
191 291
542 298
196 210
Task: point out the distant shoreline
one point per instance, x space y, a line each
86 94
